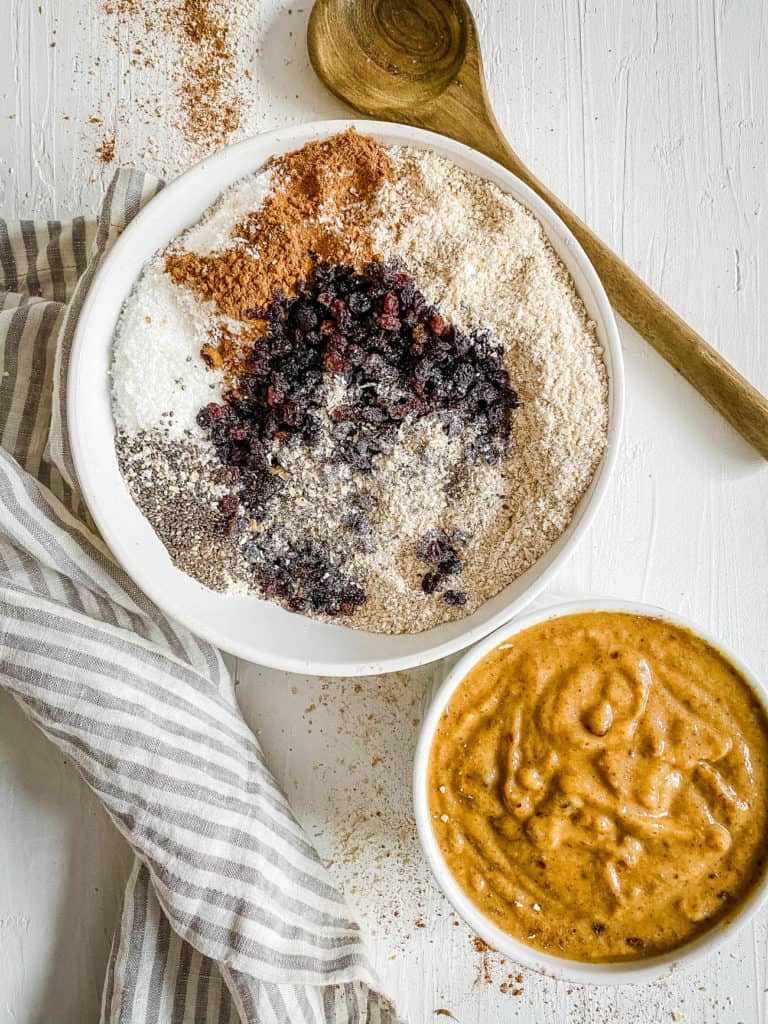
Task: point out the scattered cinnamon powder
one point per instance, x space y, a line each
319 204
209 94
207 114
105 151
513 985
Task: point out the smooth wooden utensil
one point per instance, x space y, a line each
418 62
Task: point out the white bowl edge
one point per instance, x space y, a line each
560 968
302 645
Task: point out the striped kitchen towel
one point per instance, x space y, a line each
228 914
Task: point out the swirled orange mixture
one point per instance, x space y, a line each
599 786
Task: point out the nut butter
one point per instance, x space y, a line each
598 786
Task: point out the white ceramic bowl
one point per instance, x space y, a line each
258 630
625 972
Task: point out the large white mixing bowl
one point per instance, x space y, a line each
259 630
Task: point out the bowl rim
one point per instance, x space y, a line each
560 968
328 662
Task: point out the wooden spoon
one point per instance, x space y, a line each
418 61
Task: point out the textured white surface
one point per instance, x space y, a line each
651 120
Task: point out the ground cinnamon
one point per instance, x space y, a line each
205 66
318 208
207 114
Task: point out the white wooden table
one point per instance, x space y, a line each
651 120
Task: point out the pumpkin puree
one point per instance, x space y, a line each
599 786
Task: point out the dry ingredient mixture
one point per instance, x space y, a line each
598 786
362 386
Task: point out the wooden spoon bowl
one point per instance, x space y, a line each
422 45
418 62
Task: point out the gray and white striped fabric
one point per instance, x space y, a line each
228 913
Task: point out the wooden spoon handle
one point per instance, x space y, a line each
712 376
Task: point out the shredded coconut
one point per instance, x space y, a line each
214 231
158 377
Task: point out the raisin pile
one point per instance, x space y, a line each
306 577
397 355
440 550
399 359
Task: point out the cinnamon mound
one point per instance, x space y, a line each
317 208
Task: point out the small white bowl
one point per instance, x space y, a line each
648 969
261 631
